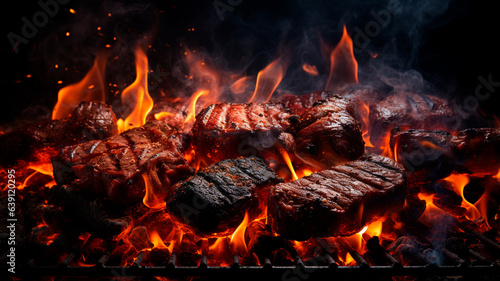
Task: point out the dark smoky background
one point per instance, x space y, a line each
441 47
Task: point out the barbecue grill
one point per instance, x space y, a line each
65 234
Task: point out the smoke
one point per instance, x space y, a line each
239 38
251 34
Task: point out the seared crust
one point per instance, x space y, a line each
337 201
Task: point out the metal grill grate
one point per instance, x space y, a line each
457 266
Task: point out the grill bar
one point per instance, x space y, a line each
315 272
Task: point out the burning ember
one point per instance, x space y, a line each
243 172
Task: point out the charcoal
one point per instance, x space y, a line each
139 238
261 240
90 214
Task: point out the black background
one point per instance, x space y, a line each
450 49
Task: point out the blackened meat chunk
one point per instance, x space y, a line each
215 199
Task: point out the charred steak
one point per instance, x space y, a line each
215 199
89 121
114 167
337 201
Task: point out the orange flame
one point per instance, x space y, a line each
375 228
209 83
268 80
156 240
497 176
288 161
241 85
386 147
43 168
310 69
431 210
364 113
430 145
90 88
459 181
217 244
343 64
136 96
191 114
347 260
161 115
356 240
175 238
237 242
152 199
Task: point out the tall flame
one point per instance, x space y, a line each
237 242
153 198
364 113
343 64
136 96
268 80
289 163
90 88
191 114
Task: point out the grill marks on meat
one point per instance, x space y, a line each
114 167
40 141
432 155
329 134
215 199
337 201
229 130
319 126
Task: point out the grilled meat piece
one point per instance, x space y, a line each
426 155
115 167
321 124
229 130
478 150
215 199
328 133
297 105
432 155
337 201
408 110
40 141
